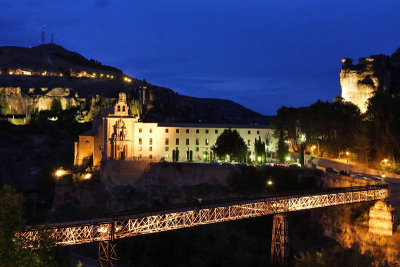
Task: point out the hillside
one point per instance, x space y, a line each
51 58
162 104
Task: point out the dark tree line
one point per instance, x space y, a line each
336 127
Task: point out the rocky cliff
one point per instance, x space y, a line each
377 72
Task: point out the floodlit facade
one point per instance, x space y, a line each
117 135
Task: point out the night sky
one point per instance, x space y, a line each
262 54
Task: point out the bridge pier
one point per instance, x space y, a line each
280 240
107 255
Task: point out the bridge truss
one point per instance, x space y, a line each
130 225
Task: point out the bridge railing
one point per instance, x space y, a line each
182 216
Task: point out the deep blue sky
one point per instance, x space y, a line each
262 54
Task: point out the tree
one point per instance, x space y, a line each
56 106
12 252
259 150
230 143
301 155
282 149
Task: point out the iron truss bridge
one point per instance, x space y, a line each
183 216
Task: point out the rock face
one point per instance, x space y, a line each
20 101
378 72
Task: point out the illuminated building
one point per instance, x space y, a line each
116 135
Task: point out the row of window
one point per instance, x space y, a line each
206 141
188 131
166 148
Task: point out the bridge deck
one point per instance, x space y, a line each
182 216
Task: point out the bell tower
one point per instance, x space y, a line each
121 107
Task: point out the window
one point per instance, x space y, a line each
197 130
140 141
166 141
206 142
249 132
197 141
197 149
140 156
216 131
166 130
150 156
207 131
140 148
177 130
150 141
187 130
123 108
151 130
177 141
119 108
151 148
258 132
166 148
140 130
187 142
248 142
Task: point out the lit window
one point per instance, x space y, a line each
197 130
177 141
197 141
150 141
258 132
151 148
166 148
140 141
151 130
177 130
206 141
249 132
166 141
140 130
207 131
166 130
216 131
187 142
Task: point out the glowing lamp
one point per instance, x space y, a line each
287 158
59 172
269 182
259 158
347 153
88 176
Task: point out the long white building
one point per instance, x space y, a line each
120 136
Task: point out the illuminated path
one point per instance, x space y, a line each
107 230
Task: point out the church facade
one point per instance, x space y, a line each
116 135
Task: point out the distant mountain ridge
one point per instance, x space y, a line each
49 57
162 104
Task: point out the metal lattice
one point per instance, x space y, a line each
280 242
79 232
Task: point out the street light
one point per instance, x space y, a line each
60 172
347 157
